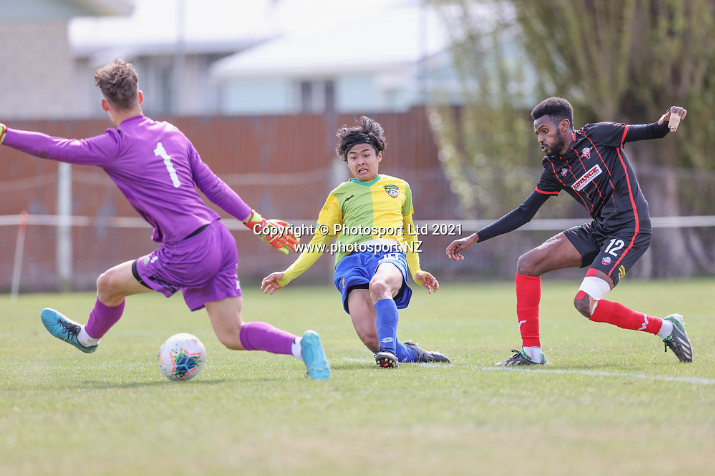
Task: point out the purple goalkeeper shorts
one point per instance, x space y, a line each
203 266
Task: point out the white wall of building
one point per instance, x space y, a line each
38 78
376 92
257 96
36 70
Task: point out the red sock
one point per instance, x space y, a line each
528 295
619 315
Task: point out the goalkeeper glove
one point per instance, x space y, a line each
3 130
273 232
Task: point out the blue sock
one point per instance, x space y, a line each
405 354
386 321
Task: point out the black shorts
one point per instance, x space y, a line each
613 254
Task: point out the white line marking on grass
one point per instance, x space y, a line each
695 380
83 366
368 361
433 365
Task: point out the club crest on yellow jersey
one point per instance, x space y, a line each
392 190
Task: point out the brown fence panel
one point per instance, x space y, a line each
283 166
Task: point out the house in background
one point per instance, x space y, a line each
221 57
209 58
37 73
383 56
252 57
172 44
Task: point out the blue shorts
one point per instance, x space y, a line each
357 269
203 267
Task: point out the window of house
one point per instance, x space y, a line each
316 96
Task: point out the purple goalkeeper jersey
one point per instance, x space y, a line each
154 165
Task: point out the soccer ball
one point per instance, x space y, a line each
182 357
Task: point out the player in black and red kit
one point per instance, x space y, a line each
591 166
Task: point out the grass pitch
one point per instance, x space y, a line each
610 401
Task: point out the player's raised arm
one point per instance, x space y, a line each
509 222
668 122
463 244
276 233
674 115
99 150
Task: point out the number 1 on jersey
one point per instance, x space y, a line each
160 152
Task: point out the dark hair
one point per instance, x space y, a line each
366 132
557 109
118 83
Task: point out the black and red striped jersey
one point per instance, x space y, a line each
596 173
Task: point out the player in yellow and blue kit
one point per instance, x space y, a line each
371 217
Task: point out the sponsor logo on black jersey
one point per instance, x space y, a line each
564 171
586 152
392 190
586 178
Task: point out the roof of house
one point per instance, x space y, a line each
62 9
160 27
270 37
381 35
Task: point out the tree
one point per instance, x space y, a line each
624 61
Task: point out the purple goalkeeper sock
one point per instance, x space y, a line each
263 336
102 318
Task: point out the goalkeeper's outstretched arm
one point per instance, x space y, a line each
276 233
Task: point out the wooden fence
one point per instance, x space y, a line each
283 166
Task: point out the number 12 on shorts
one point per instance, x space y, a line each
614 246
161 152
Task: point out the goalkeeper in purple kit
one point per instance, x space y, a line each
157 169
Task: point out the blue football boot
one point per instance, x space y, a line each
64 329
314 356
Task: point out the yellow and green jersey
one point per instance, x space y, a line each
356 212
